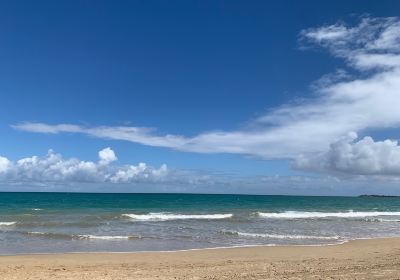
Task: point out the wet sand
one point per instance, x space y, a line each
359 259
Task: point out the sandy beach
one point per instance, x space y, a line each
359 259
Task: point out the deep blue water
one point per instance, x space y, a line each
77 222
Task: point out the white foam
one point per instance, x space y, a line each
287 236
314 215
168 216
382 220
108 237
82 236
7 223
37 233
36 209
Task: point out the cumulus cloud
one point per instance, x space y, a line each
54 168
52 172
4 164
106 156
368 98
132 172
349 156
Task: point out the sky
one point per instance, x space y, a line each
264 97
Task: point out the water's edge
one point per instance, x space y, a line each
196 249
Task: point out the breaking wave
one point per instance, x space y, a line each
7 223
316 215
170 216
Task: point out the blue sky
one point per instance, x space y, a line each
211 74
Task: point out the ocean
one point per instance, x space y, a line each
82 222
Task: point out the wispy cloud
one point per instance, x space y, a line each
342 103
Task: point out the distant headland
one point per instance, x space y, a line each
377 195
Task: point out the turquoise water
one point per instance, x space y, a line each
79 222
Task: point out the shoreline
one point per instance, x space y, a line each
201 249
377 258
194 249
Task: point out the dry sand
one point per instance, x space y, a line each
360 259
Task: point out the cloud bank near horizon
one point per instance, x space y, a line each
54 168
366 97
53 172
352 157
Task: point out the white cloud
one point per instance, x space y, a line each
362 157
54 173
4 164
54 168
127 174
107 156
342 102
327 33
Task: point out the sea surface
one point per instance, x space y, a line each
79 222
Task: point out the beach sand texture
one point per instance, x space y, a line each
359 259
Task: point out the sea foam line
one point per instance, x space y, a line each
82 236
168 216
109 237
311 215
7 223
381 220
287 236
